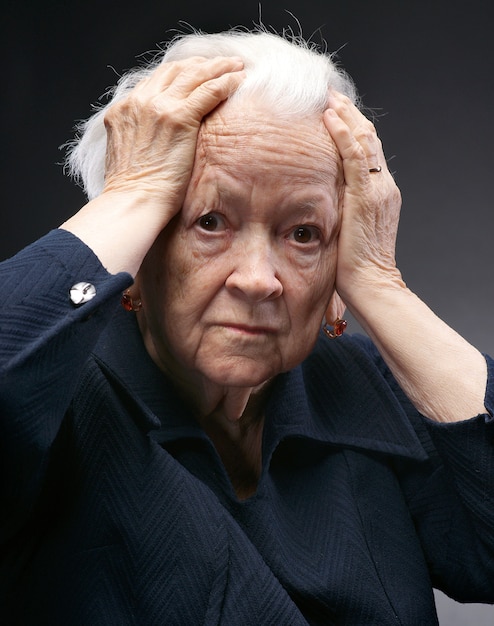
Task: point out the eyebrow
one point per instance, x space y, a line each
300 205
307 205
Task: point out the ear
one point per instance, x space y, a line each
135 288
336 308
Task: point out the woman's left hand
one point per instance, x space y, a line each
442 374
371 204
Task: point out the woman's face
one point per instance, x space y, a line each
235 288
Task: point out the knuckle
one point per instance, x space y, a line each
356 152
362 132
368 130
338 106
345 100
396 193
112 114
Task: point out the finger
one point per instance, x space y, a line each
209 95
362 128
161 77
353 156
199 71
182 77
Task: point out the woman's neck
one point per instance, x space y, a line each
233 418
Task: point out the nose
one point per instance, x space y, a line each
254 276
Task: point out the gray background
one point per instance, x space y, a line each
425 68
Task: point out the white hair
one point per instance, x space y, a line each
284 72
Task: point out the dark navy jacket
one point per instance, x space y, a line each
117 509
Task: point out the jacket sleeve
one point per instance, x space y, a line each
44 342
466 450
451 495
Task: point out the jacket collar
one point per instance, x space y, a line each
336 397
348 401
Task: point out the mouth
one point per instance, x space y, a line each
247 329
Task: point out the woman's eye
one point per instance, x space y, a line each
210 222
304 234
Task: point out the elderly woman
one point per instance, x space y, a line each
214 451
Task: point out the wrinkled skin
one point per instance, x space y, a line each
235 289
371 205
242 226
233 299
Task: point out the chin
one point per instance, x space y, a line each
251 374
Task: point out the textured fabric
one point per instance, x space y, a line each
118 510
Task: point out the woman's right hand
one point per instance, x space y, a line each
151 143
152 132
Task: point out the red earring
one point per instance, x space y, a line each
129 303
337 329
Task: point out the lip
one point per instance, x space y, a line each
247 329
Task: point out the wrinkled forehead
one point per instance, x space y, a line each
243 134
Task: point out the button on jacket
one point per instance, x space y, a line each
117 508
